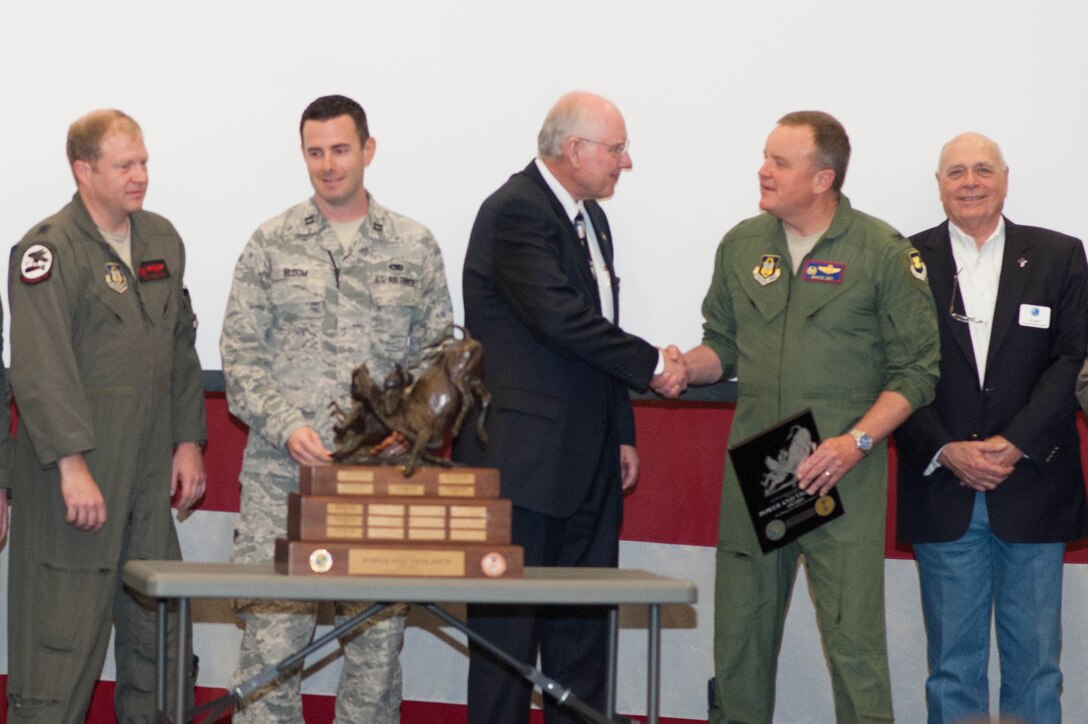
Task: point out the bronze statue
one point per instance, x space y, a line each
422 409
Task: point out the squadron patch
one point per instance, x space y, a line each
36 264
917 266
828 272
769 269
115 278
153 270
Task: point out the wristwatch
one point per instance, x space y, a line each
862 440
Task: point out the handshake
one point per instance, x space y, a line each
672 380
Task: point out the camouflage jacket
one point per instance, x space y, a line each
303 313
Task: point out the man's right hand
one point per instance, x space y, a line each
972 461
86 508
306 447
674 377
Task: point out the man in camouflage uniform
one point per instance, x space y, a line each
329 284
112 418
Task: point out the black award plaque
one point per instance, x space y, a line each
765 465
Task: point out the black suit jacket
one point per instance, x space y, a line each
557 370
1028 396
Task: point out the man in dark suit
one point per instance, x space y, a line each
990 483
542 296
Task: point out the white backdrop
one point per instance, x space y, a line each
456 93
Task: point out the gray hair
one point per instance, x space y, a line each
563 121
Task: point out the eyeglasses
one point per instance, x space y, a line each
952 304
616 149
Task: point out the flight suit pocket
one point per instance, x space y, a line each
72 602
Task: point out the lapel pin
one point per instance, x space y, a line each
1022 262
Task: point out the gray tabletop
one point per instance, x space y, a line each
179 579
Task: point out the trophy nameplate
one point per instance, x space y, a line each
380 480
430 520
336 558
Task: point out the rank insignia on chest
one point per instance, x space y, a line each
153 270
36 264
115 278
917 266
769 269
828 272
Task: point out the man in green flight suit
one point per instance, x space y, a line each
104 370
813 305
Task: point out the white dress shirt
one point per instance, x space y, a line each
600 269
978 274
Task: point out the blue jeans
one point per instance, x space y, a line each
962 582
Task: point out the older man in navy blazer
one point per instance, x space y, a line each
542 296
990 482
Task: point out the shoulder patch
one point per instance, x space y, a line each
36 264
917 266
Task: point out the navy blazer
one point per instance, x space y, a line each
1028 396
557 370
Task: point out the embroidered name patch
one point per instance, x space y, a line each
153 270
828 272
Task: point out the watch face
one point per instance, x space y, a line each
864 442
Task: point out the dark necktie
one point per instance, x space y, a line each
583 239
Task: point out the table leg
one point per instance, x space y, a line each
653 684
160 655
610 682
182 664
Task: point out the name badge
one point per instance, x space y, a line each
828 272
1033 315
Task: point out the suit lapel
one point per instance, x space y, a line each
578 253
1016 269
941 267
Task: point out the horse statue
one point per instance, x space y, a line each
420 409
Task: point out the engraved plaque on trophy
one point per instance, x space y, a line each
427 481
335 558
365 518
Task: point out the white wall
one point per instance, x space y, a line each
456 93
